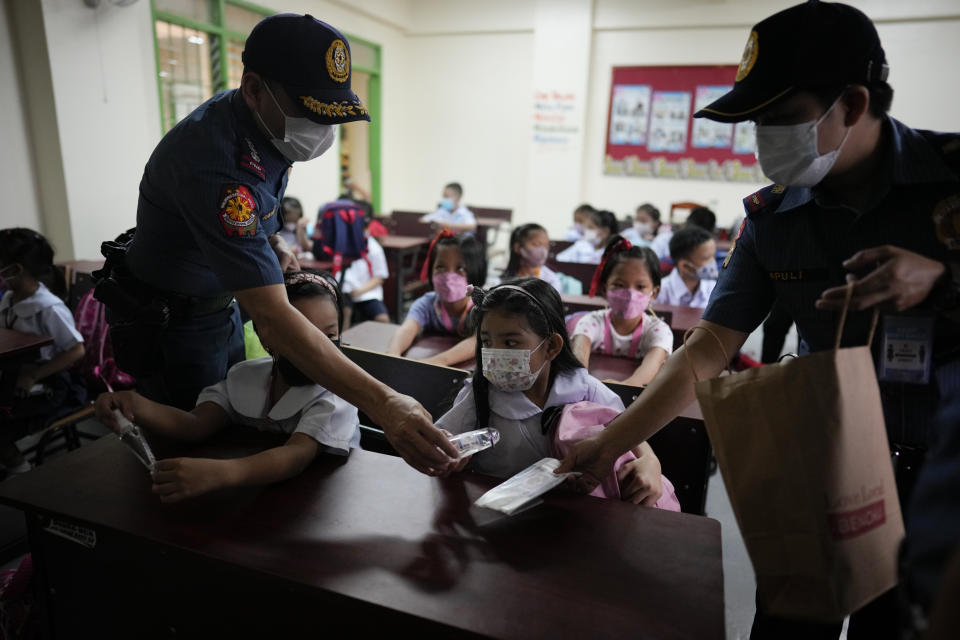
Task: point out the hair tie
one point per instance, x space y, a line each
622 244
425 270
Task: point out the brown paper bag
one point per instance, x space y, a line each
803 452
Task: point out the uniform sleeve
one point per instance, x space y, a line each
224 218
591 326
217 394
569 254
657 334
422 311
462 416
437 216
465 216
333 423
378 259
58 324
744 294
602 394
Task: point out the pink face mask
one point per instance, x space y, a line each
534 256
450 286
627 303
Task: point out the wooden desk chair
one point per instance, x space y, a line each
492 212
683 448
407 223
63 427
556 246
433 386
579 270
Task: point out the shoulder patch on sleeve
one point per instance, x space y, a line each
238 210
250 159
733 245
763 198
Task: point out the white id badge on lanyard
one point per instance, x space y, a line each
907 349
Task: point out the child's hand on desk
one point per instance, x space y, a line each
175 479
640 481
107 402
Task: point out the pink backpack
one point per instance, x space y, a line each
581 420
97 367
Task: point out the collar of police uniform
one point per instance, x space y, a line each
248 129
912 161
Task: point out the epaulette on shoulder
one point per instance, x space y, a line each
769 196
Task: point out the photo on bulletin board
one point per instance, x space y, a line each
651 131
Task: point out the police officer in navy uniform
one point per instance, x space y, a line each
207 233
859 198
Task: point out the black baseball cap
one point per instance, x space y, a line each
808 46
311 60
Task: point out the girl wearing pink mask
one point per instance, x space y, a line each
629 277
453 262
529 248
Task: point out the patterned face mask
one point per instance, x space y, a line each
509 369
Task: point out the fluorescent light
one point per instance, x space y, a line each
164 74
195 40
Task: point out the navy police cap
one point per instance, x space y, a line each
311 60
808 46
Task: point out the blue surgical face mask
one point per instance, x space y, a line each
447 203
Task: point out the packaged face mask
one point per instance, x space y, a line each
523 490
130 435
473 442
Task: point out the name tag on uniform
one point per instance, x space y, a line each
907 349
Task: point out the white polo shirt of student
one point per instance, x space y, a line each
42 313
460 215
522 441
359 272
653 333
673 290
581 251
309 409
660 245
546 274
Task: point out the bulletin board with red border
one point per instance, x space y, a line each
651 131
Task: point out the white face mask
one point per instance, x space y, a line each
509 369
789 155
592 236
303 139
642 228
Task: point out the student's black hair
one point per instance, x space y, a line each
651 210
300 285
607 219
881 96
540 304
470 248
303 284
290 201
619 250
685 241
519 236
584 208
703 218
455 187
27 248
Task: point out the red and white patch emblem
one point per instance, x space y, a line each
238 210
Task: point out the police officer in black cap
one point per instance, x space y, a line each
859 197
207 234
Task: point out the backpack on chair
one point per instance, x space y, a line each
97 368
342 233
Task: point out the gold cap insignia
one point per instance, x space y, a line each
749 57
338 61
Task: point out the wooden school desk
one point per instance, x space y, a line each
16 349
403 259
354 546
375 336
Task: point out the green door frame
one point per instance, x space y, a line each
220 83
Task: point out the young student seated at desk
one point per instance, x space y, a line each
450 213
529 248
28 305
453 262
525 365
580 216
599 227
691 282
629 277
269 394
646 225
363 286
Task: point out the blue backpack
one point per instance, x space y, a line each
342 227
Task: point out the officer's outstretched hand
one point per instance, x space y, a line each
410 430
288 261
899 280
